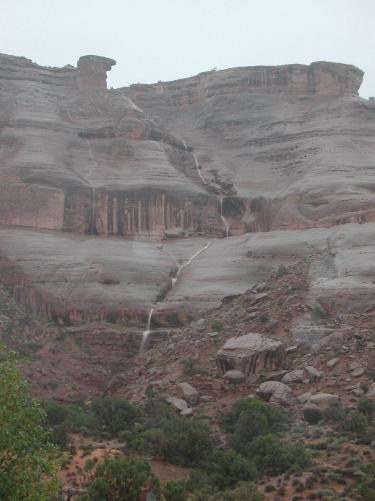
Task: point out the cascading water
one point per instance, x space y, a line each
180 267
146 332
93 165
93 215
199 170
185 145
225 222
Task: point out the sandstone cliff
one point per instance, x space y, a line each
232 152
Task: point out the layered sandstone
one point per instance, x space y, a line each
286 147
77 157
87 172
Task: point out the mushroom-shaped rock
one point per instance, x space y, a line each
276 392
92 72
251 353
190 394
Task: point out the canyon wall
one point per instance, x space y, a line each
87 172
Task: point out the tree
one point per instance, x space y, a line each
115 414
250 418
120 479
28 461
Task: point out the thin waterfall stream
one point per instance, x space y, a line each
146 333
225 222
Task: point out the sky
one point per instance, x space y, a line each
154 40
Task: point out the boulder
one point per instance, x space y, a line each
332 362
291 349
296 376
187 412
325 400
312 413
311 373
189 393
250 354
178 403
305 397
359 371
234 376
276 392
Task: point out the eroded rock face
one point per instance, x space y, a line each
77 157
252 353
246 149
261 136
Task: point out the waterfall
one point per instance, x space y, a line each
199 170
180 267
146 332
93 215
185 145
225 222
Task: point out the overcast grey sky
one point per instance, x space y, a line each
155 40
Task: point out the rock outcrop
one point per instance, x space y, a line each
250 354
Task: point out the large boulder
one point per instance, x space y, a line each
276 392
296 376
178 403
234 376
189 393
321 406
250 354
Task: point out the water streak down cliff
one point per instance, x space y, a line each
222 153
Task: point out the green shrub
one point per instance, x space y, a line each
250 418
217 326
264 318
319 313
366 406
225 468
68 418
114 414
245 492
189 367
170 437
121 480
355 422
272 456
175 491
366 488
281 271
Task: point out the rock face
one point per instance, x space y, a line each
99 164
261 137
85 172
250 354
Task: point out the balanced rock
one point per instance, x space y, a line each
251 353
190 394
